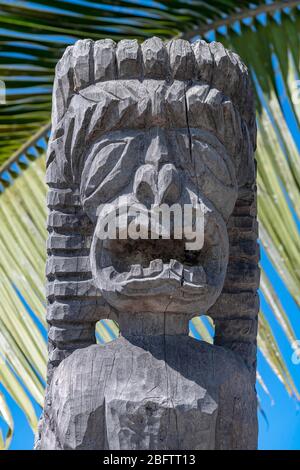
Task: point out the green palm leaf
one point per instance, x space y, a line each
7 418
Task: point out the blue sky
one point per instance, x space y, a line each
283 428
279 426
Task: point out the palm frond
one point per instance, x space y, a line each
272 67
23 349
5 414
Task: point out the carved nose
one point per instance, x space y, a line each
145 187
169 185
152 189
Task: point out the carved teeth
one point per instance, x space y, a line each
136 271
155 267
188 275
109 272
112 275
176 267
195 275
191 275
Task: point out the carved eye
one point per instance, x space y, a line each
215 175
105 158
208 166
108 169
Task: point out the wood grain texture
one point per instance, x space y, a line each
157 123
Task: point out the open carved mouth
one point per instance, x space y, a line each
126 261
161 273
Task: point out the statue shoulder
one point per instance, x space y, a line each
225 364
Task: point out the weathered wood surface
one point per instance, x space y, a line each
158 123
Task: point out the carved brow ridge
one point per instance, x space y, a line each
198 133
166 84
165 117
206 137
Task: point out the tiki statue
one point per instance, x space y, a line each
160 123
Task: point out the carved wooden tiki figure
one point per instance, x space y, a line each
157 123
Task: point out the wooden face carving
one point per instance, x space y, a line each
152 124
154 141
169 145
